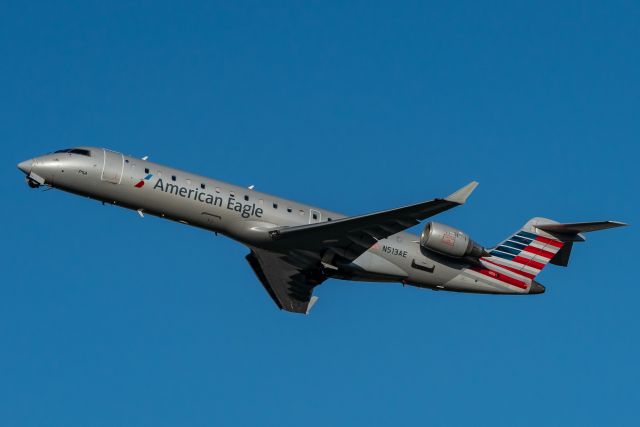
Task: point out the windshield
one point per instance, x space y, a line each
80 151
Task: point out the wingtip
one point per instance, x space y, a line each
462 194
312 302
618 224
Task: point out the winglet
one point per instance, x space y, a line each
312 301
461 195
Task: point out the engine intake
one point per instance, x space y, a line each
449 241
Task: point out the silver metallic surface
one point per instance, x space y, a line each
293 246
449 241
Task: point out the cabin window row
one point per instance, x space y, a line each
246 197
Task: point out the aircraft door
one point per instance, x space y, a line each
314 216
113 167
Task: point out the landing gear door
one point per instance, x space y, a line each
113 167
314 216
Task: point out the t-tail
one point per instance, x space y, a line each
514 264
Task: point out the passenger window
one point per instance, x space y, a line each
188 182
301 212
315 216
246 198
146 170
232 194
217 189
173 178
329 219
202 186
275 206
289 210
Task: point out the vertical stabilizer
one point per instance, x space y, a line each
526 252
517 260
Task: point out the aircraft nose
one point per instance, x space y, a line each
26 166
536 288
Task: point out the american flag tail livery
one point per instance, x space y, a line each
515 262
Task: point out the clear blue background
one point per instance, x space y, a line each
110 320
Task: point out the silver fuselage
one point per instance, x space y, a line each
242 214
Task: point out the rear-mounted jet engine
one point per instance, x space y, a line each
449 241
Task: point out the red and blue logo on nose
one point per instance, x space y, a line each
141 183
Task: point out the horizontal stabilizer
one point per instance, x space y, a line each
579 227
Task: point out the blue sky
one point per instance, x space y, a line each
107 319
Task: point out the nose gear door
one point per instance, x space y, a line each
113 167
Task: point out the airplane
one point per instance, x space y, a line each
295 247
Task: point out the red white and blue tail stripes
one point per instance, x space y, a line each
519 259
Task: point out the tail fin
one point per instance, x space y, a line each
539 242
527 251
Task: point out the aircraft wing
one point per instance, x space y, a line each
291 264
350 237
288 281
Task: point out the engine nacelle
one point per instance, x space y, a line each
449 241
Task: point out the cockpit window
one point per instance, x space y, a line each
80 151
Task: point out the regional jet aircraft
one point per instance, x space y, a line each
295 247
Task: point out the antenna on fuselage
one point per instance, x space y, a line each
251 187
145 157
